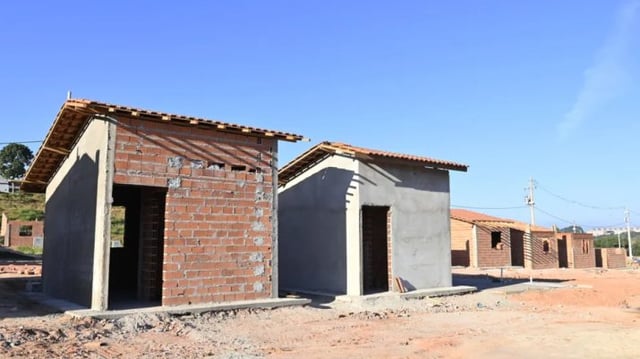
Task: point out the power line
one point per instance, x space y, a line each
571 222
578 202
553 215
6 143
471 207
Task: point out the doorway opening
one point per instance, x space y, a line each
563 260
375 247
517 248
137 241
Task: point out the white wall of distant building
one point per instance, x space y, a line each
611 230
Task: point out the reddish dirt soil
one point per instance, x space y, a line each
588 314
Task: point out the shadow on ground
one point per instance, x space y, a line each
486 281
317 301
14 301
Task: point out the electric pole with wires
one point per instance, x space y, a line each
530 201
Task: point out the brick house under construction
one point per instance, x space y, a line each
480 240
18 233
198 199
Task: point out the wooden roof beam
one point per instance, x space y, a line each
60 151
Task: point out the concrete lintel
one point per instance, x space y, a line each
269 303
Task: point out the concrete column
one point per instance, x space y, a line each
102 245
473 247
353 235
274 222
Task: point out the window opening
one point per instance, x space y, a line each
25 231
496 240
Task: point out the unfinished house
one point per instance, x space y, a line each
576 250
353 220
17 233
150 208
611 258
479 240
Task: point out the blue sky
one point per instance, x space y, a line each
515 89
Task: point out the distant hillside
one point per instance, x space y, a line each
23 206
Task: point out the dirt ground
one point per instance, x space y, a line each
583 314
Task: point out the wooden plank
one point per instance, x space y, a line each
400 285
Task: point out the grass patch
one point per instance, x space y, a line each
29 250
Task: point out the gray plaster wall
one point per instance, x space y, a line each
312 227
70 223
420 226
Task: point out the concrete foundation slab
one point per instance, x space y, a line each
190 309
416 294
439 292
523 287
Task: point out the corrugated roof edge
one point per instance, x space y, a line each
318 152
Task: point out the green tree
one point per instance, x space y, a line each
570 229
14 158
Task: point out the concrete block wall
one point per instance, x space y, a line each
313 211
219 219
14 239
420 205
75 204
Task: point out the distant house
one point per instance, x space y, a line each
18 233
6 186
197 198
352 220
611 258
480 240
576 250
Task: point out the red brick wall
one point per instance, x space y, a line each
461 237
13 237
535 257
581 251
218 217
493 257
613 257
152 233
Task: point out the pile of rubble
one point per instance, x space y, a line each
23 269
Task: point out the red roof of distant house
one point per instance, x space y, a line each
485 219
325 149
471 216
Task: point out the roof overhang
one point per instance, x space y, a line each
74 115
324 149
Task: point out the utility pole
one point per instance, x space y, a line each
530 201
628 222
619 243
